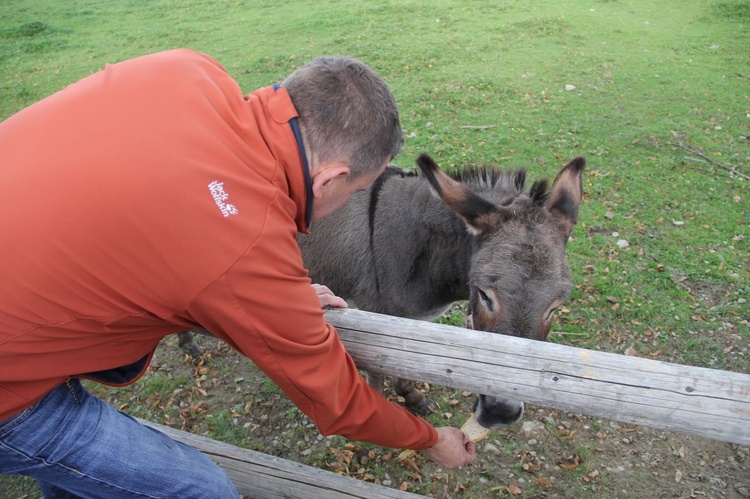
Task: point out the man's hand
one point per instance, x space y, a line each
452 449
327 298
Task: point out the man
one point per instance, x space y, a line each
153 197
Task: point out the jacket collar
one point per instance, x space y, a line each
294 125
283 115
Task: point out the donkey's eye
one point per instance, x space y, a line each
550 315
485 298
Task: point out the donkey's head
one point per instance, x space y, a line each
519 272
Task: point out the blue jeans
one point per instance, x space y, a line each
76 445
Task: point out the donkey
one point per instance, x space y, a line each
399 249
412 245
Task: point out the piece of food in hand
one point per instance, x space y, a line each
474 430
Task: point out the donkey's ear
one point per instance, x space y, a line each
479 214
566 195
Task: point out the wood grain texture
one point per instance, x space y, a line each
692 400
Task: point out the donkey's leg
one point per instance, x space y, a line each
377 381
186 341
416 401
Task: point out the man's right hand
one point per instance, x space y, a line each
452 449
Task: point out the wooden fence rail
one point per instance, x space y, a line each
692 400
697 401
259 475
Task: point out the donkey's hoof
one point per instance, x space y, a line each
194 350
426 408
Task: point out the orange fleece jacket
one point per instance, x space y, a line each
153 197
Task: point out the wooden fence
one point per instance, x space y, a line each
692 400
258 475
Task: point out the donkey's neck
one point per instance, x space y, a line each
421 250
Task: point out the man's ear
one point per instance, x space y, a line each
327 173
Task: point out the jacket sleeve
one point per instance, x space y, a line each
266 308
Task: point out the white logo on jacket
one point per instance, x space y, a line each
217 191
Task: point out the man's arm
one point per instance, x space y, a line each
453 447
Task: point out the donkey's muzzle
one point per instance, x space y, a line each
495 413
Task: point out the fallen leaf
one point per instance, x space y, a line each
514 488
530 462
569 463
541 481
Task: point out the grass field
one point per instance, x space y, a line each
655 93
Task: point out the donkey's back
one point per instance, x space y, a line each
394 249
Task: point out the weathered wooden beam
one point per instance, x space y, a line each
259 475
693 400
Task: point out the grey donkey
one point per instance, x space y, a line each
411 246
399 249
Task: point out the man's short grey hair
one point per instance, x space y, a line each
346 113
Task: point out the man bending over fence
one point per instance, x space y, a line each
154 197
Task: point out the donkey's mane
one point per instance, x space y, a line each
488 178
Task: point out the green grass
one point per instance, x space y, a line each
221 427
652 80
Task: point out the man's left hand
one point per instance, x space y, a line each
327 298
